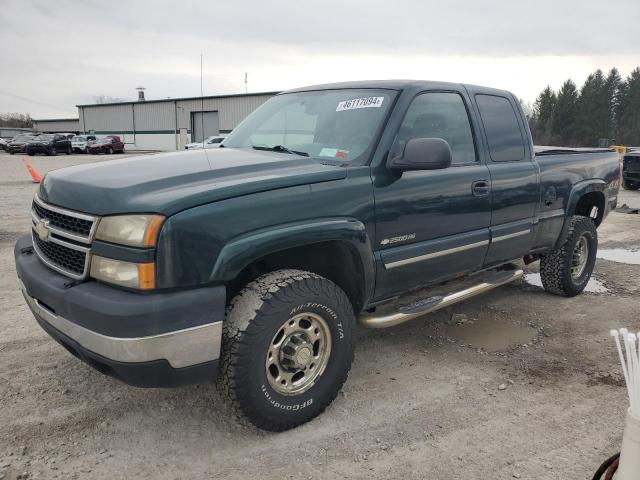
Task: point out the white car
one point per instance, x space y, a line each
81 143
213 141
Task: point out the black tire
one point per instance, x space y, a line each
255 318
629 186
108 151
11 152
31 154
69 150
556 266
86 150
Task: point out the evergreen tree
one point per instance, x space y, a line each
543 111
593 110
612 91
565 116
628 112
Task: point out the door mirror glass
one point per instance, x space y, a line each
423 154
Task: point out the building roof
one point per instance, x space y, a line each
159 100
57 120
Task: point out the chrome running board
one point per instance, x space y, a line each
431 304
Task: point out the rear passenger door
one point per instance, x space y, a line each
514 176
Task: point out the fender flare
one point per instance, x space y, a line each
241 251
577 192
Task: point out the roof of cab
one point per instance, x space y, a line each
396 85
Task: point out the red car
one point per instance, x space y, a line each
108 145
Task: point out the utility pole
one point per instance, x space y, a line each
246 88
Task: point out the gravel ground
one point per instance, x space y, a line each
513 384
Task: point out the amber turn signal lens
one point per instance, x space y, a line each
147 276
153 229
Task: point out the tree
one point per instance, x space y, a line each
543 109
16 120
593 110
628 113
101 99
565 115
612 91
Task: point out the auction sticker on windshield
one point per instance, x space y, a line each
365 102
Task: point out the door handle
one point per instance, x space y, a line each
480 188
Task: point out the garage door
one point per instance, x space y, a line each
203 125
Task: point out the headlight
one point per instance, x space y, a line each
133 230
133 275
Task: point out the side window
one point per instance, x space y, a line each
440 115
506 143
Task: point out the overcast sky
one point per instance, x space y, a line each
56 54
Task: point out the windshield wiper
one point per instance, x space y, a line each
279 148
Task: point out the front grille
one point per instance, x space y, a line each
65 258
63 221
62 238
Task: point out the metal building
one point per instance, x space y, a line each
57 125
171 123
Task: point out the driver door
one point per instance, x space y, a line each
432 225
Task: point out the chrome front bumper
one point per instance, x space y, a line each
180 348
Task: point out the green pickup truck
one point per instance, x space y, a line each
328 207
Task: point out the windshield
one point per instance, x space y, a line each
22 138
43 138
326 124
79 138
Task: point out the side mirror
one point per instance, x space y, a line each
423 154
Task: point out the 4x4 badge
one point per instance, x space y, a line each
42 229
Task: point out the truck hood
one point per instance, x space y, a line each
171 182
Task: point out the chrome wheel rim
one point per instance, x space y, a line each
579 258
298 354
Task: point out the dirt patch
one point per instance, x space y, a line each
492 334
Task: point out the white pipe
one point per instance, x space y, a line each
629 467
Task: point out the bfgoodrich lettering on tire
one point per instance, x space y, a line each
288 342
566 270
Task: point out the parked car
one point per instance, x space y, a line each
213 141
68 135
3 144
631 170
49 144
108 145
81 143
18 144
254 262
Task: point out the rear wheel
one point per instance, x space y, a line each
627 185
288 342
69 150
566 270
108 151
31 154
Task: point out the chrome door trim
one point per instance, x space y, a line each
439 253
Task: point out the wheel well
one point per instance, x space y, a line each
335 260
586 203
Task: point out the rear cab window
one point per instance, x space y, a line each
504 135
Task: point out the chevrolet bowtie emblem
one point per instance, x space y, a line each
42 229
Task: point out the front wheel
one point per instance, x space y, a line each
69 150
566 270
627 185
288 343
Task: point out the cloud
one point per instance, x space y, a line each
66 52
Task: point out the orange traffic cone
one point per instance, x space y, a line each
32 171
